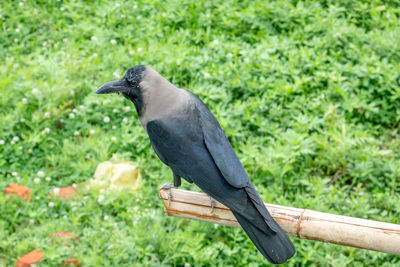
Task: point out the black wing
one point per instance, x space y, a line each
220 149
227 161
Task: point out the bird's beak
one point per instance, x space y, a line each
119 86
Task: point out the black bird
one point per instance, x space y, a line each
188 138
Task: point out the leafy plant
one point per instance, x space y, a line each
307 92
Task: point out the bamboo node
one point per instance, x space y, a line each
299 221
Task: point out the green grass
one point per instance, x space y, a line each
307 92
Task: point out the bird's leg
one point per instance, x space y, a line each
168 188
177 180
176 184
212 205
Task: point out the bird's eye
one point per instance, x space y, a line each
129 81
133 76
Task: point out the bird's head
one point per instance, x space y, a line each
143 86
128 85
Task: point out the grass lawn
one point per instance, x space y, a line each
307 92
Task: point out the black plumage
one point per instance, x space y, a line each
187 137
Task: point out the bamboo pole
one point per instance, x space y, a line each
301 223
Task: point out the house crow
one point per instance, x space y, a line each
188 138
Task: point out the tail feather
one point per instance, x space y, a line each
276 247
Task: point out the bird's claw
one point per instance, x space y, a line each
212 205
169 197
168 187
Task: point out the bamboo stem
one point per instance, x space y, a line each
301 223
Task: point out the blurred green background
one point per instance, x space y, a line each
307 92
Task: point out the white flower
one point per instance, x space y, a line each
125 120
31 221
101 198
20 147
48 179
117 4
14 174
95 54
115 110
36 180
15 40
37 197
21 4
22 120
51 204
40 173
81 107
47 114
116 74
229 55
35 11
15 139
92 131
113 139
139 49
74 185
113 41
114 127
62 9
46 130
16 30
56 191
65 40
65 217
135 6
75 110
106 119
94 38
35 91
2 142
186 264
88 156
106 217
127 108
24 101
206 75
71 115
76 133
215 42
